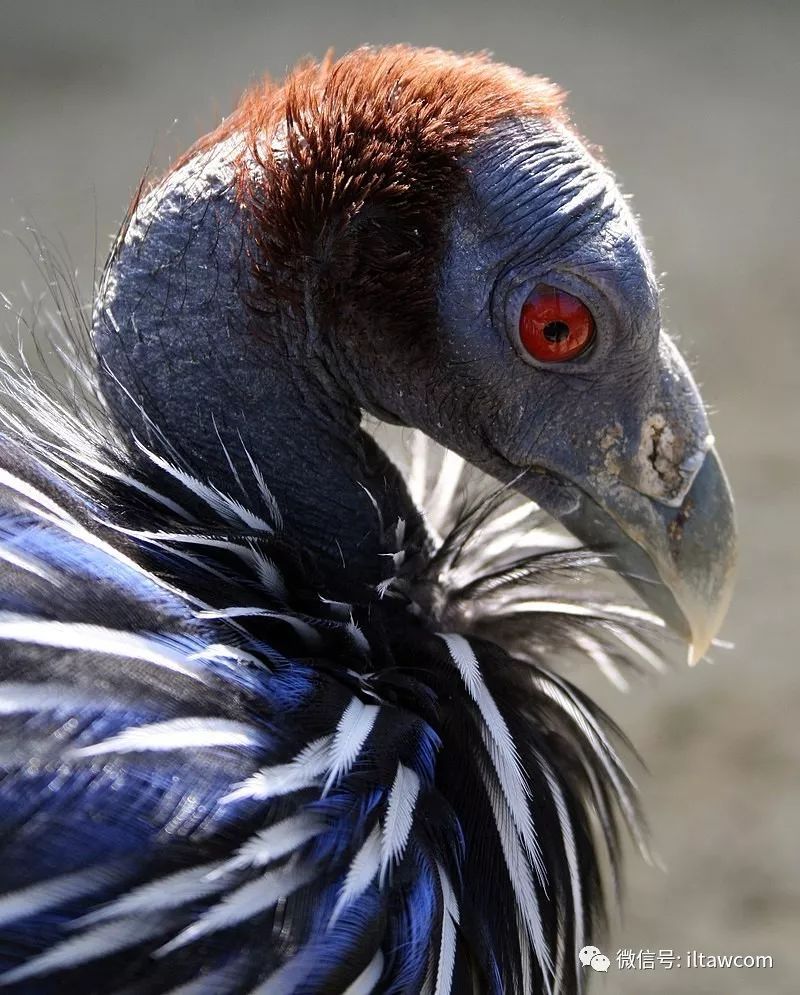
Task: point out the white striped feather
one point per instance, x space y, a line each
339 609
272 843
383 587
266 494
354 727
359 639
83 535
53 892
266 571
81 637
447 946
304 771
31 493
246 516
525 957
77 474
399 817
492 554
201 564
603 749
100 942
169 892
501 747
360 874
303 629
20 696
232 611
268 574
222 651
560 961
597 653
189 538
520 877
586 610
27 563
507 524
571 853
175 734
249 900
638 646
560 692
224 505
226 453
91 462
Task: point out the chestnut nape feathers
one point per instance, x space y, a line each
281 715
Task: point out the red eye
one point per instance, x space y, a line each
555 326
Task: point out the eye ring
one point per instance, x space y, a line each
555 326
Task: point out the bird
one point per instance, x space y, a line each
271 723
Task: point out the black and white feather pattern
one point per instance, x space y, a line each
213 778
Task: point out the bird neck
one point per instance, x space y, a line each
188 368
338 493
256 415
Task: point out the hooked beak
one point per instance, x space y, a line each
649 492
680 560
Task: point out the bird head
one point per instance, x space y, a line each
452 257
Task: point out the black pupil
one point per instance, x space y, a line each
556 331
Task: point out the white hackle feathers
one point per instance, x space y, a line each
399 817
53 892
447 945
176 734
361 873
82 638
351 733
350 817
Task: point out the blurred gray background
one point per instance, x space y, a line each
696 107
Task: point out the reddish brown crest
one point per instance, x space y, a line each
358 163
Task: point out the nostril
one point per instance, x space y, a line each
664 469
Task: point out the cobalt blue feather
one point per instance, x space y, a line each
215 779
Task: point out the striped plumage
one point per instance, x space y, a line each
220 776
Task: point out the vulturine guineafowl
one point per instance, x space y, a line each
265 727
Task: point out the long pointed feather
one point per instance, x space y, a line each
399 817
360 875
245 902
351 733
502 748
447 945
96 639
169 892
53 892
175 734
100 942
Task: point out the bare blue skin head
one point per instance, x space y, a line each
614 443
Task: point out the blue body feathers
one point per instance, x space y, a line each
217 779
